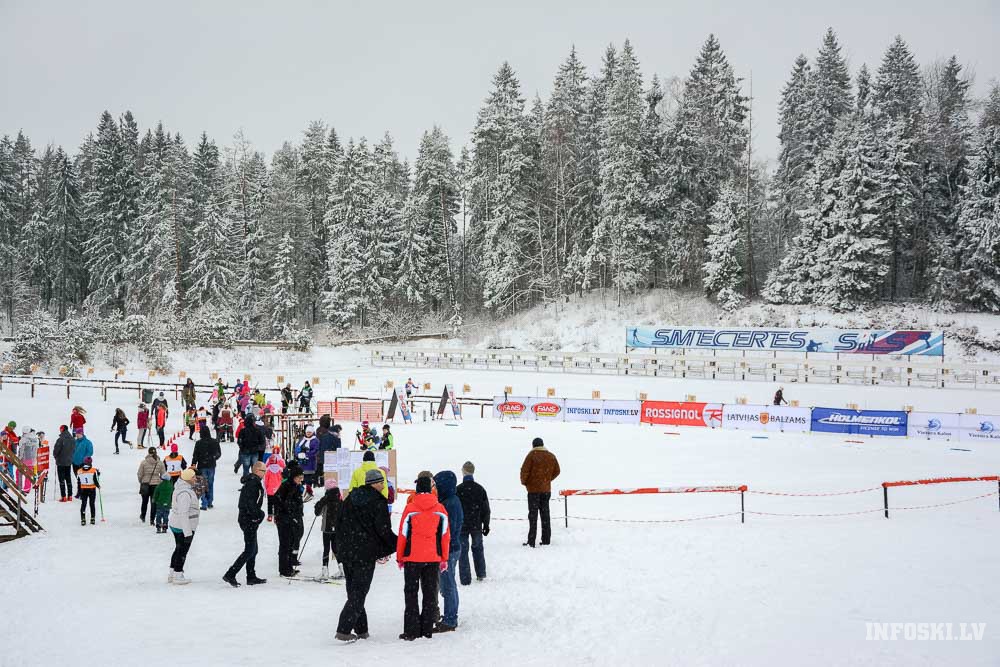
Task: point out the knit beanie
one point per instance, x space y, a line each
537 442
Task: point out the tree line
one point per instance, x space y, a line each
886 187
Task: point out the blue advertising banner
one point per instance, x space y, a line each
858 422
843 341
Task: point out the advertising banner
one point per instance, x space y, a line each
979 428
456 409
933 425
765 418
621 412
843 341
583 410
547 409
859 422
404 407
512 408
677 413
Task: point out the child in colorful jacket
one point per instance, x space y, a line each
161 501
190 421
272 479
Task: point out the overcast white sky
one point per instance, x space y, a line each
271 67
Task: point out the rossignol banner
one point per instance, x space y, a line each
933 425
584 410
843 341
512 408
676 413
979 428
859 422
765 418
547 409
621 412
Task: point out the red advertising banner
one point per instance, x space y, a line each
42 462
678 413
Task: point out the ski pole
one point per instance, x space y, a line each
100 501
303 549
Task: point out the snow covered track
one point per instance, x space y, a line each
678 569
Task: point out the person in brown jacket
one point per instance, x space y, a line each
540 467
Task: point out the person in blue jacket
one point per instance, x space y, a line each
84 449
446 482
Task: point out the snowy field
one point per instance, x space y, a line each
777 590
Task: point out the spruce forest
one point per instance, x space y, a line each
886 188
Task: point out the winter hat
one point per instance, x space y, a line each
468 468
369 456
309 429
424 485
165 476
374 477
329 483
63 427
152 450
87 461
11 424
537 442
293 471
173 448
187 474
161 394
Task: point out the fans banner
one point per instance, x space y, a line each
512 408
843 341
979 428
859 422
933 425
621 412
675 413
584 410
765 418
547 409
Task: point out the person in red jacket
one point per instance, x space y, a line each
76 419
161 423
422 552
142 423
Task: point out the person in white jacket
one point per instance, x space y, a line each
183 521
28 451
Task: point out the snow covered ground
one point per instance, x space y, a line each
777 590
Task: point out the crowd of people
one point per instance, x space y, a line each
441 524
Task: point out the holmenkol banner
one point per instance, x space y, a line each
859 422
979 428
933 425
765 418
621 412
843 341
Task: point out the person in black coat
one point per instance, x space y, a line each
251 514
475 524
363 536
288 518
251 441
206 453
329 441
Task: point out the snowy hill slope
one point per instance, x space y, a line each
595 323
